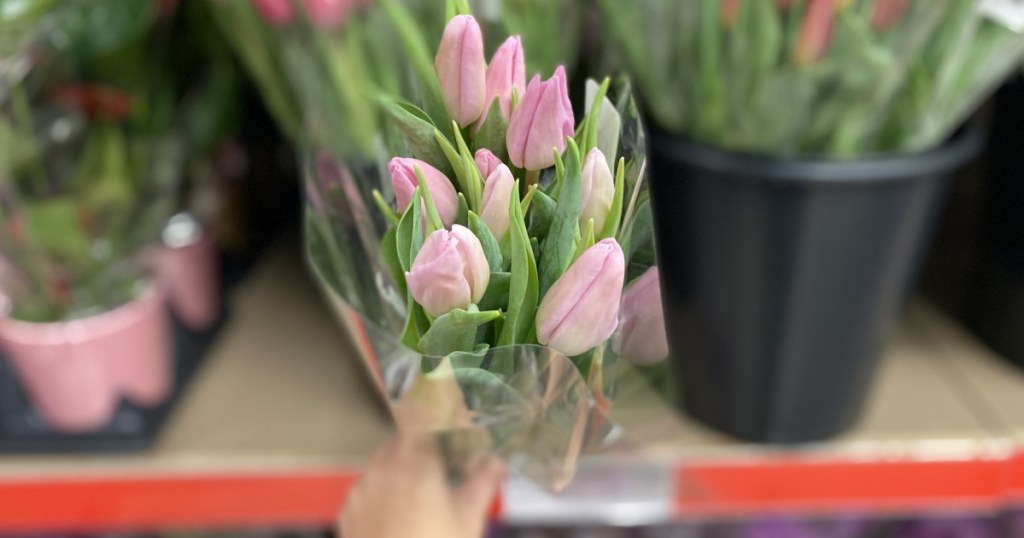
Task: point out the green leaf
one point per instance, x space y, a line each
433 217
389 257
608 123
542 212
528 199
468 360
523 288
385 208
462 216
54 226
496 296
462 174
614 220
595 108
492 133
415 325
454 331
420 56
418 131
558 246
475 183
409 230
492 250
586 240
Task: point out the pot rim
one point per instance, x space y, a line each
89 328
963 146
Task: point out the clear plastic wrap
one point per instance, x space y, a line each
538 408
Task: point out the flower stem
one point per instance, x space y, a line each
531 179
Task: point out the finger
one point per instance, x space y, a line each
478 492
384 455
418 455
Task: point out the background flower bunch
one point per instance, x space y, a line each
515 227
836 77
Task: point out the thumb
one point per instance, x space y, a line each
478 492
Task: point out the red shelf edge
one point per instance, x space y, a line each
788 484
313 499
141 503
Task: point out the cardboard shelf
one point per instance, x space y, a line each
280 419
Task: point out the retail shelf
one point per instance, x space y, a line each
280 420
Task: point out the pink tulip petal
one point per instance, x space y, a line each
496 199
404 182
486 162
275 12
521 122
461 69
475 267
437 280
506 72
581 309
642 339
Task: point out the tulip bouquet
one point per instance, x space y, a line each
499 266
835 77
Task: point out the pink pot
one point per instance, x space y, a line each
75 372
186 269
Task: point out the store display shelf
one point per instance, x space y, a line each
279 421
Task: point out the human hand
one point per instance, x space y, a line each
405 494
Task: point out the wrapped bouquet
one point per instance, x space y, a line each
497 261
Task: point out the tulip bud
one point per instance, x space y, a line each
329 13
598 189
275 12
506 72
496 199
581 309
641 339
729 11
404 183
541 123
461 68
449 272
487 162
887 12
816 32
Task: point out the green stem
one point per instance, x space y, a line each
532 176
23 116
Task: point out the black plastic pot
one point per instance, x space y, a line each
781 277
993 305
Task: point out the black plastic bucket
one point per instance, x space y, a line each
994 298
781 277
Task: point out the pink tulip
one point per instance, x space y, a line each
449 272
641 339
506 72
487 162
275 12
581 309
598 190
816 32
329 13
888 12
496 199
461 68
322 13
404 183
541 123
730 10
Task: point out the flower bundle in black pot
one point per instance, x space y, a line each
800 153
